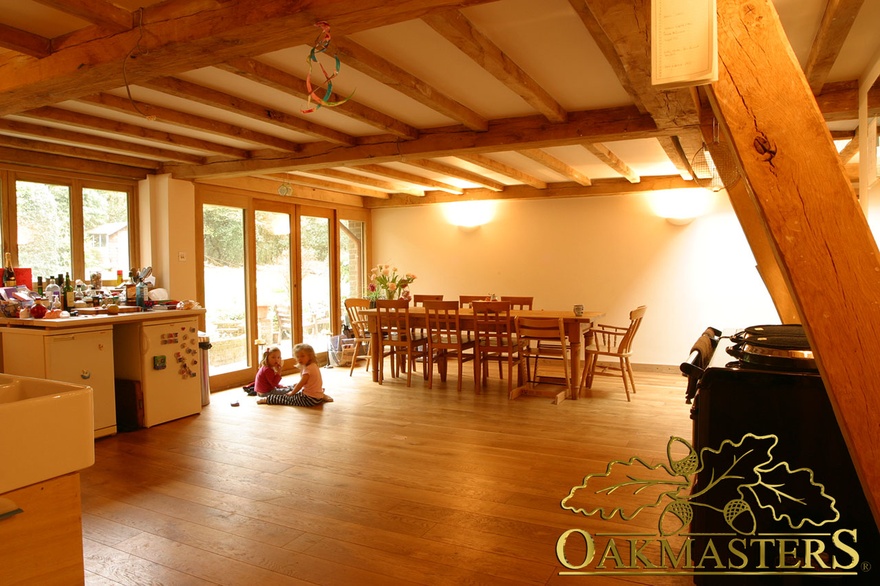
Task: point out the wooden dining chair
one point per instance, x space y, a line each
446 340
530 333
466 300
495 341
395 333
614 342
519 302
358 323
420 299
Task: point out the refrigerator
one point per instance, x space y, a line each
163 359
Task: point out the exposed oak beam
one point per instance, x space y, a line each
456 172
297 179
604 154
24 42
556 165
364 180
41 146
290 84
410 178
53 161
182 35
673 149
502 169
94 122
840 101
459 31
78 138
187 120
203 95
396 78
849 151
836 23
100 12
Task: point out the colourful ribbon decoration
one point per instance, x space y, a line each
320 46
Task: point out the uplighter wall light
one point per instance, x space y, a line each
681 206
469 215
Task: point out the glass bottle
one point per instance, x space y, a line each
53 291
140 292
8 272
69 300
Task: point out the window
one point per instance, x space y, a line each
43 218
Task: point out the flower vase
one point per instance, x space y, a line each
372 304
389 294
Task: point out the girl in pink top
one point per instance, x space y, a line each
309 391
269 374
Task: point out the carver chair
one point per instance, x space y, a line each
396 334
614 342
531 332
358 322
446 339
496 341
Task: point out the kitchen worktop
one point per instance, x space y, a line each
101 319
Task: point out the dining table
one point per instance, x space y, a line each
575 327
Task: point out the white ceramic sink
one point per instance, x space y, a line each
46 430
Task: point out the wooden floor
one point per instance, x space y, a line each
387 485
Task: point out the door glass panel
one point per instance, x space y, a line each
273 280
315 275
225 294
351 260
105 227
43 214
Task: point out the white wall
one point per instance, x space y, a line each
609 253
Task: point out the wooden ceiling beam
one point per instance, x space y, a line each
182 35
52 161
604 154
511 134
41 146
456 172
217 99
839 100
409 85
71 137
458 30
297 179
290 84
100 12
186 120
412 179
364 180
502 169
673 149
849 150
836 23
79 120
624 28
24 42
556 165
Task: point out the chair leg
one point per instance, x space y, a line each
632 380
357 344
623 373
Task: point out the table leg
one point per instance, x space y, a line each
575 333
375 349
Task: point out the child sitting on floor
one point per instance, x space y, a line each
269 375
309 391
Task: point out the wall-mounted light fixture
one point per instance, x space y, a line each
469 215
681 206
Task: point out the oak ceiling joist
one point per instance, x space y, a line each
456 172
836 23
24 42
673 149
624 27
290 84
99 142
183 35
80 120
459 31
849 150
40 146
510 134
359 179
556 165
186 120
412 179
839 100
502 169
297 179
53 161
209 97
99 12
396 78
604 154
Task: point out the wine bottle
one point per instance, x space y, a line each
39 285
69 301
8 272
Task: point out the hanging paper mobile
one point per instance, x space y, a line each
320 46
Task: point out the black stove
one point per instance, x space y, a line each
763 381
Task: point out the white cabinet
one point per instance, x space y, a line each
81 356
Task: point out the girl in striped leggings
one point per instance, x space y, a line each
309 391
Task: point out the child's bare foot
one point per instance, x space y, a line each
327 398
261 401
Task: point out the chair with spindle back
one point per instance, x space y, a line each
531 333
446 339
395 332
615 342
358 322
496 341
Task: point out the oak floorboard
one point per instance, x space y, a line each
387 485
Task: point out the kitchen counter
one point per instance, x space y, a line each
101 319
